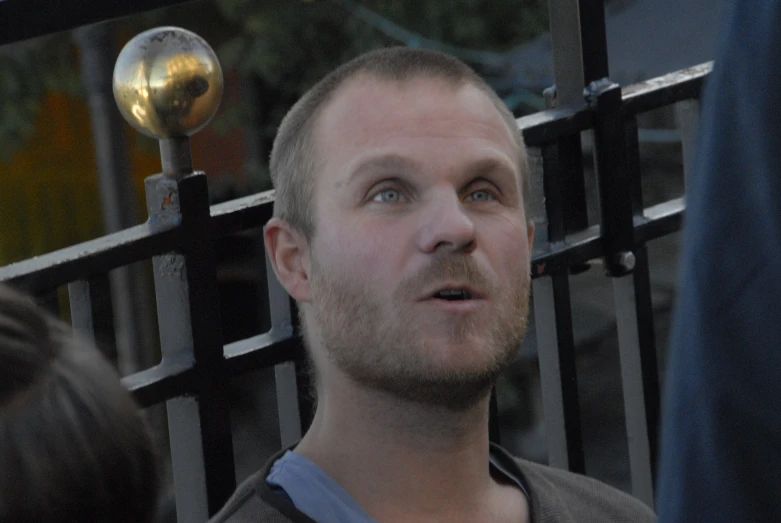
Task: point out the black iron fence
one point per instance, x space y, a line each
180 235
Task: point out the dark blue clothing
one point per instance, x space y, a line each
721 423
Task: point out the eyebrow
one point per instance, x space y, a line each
397 164
486 165
387 163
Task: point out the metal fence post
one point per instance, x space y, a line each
92 313
555 339
168 84
285 378
178 234
633 310
688 116
559 207
134 327
569 79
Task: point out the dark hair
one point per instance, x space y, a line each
293 158
73 444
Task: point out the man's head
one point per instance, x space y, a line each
73 445
294 157
401 228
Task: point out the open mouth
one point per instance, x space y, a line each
453 295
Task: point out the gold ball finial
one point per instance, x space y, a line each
168 82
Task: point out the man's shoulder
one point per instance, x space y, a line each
250 503
556 495
559 495
245 505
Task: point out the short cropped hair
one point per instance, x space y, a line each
293 156
73 444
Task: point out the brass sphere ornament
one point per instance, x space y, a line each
168 82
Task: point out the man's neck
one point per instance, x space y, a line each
403 461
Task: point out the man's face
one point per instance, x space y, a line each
420 260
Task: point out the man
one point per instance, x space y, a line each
400 230
73 444
721 426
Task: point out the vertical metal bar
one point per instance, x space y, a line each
566 189
287 403
307 397
647 357
96 53
279 302
134 329
688 115
615 196
593 52
285 373
643 360
187 453
204 303
50 301
633 165
91 313
135 326
261 280
82 309
176 157
634 313
553 323
257 101
567 57
568 75
573 186
632 378
593 40
190 329
494 426
558 377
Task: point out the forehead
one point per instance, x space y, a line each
367 111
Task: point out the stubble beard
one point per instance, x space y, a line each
383 348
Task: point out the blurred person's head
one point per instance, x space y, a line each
73 444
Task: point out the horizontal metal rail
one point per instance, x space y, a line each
139 243
657 221
171 379
546 127
90 258
128 246
241 214
180 241
664 90
98 256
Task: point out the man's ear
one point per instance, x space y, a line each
530 231
288 251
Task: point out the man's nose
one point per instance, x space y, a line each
446 225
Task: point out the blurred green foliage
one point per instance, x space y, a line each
286 46
289 45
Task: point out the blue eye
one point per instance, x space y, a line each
481 196
388 196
